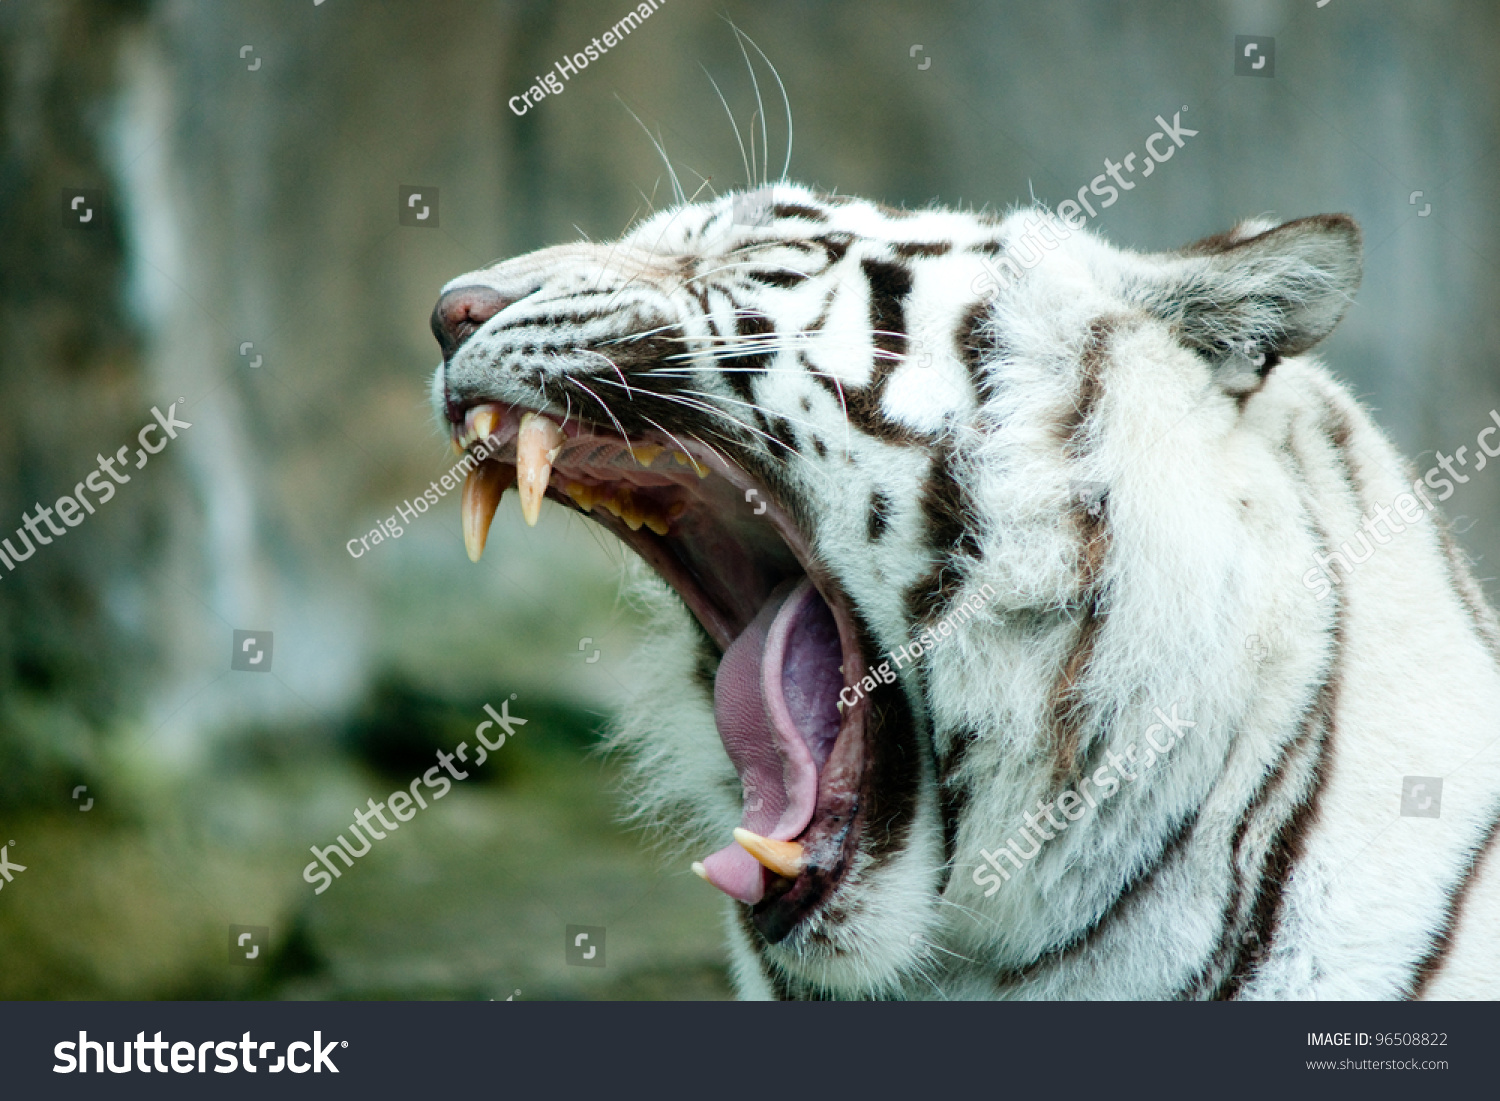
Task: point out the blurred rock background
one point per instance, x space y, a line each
249 195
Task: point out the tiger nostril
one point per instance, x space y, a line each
460 312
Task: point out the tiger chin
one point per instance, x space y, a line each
1031 618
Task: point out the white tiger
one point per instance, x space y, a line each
997 557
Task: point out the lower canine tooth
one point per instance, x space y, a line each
483 488
782 857
537 445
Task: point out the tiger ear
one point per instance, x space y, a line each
1245 299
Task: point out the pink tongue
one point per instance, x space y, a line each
775 705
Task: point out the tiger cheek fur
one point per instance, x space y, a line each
1056 504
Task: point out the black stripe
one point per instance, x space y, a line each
973 348
835 245
1134 887
1090 383
558 320
798 210
890 285
893 770
1225 958
1431 964
1066 700
780 278
1094 542
907 250
1233 940
953 794
949 521
1285 852
880 515
1291 839
1468 592
746 366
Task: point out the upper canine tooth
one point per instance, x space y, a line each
538 444
782 857
483 488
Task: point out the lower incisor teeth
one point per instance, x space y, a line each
782 857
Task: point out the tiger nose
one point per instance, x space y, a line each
460 312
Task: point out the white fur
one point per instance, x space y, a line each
1220 495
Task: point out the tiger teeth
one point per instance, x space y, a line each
479 423
621 503
646 453
583 494
687 460
782 857
538 444
483 488
486 420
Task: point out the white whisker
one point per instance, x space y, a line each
672 172
787 164
760 110
749 180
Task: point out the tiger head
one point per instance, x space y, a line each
893 465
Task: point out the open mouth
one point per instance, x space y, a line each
788 641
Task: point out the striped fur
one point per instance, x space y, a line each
927 409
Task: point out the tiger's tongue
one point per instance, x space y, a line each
775 704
